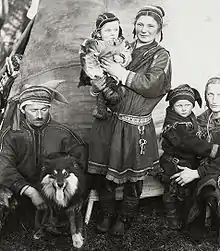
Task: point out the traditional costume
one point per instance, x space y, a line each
182 146
95 49
22 145
123 148
207 193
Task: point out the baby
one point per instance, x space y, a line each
182 146
107 42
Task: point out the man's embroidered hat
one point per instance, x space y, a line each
42 94
184 92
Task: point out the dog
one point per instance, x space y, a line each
63 187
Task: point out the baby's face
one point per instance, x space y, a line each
183 107
110 31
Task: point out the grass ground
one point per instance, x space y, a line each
146 234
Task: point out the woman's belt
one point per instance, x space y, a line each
140 122
134 120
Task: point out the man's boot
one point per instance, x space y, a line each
171 212
127 211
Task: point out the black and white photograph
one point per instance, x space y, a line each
109 125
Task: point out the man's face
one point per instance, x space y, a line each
213 97
37 114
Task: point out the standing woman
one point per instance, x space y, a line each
123 148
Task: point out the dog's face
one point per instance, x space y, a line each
59 181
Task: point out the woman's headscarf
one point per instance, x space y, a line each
156 12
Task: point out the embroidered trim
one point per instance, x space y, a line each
130 77
134 120
218 181
174 126
214 150
130 170
167 65
24 189
93 93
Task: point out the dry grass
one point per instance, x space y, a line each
146 234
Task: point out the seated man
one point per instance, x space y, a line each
32 135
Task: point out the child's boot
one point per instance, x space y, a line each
100 111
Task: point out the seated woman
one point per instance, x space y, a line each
207 190
182 145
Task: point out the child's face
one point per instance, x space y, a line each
183 107
110 31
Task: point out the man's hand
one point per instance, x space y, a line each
186 176
36 198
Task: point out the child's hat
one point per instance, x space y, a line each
105 18
102 19
184 92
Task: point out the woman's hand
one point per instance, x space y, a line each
186 176
114 69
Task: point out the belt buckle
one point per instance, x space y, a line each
175 161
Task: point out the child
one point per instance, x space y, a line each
182 144
106 42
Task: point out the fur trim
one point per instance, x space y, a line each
61 196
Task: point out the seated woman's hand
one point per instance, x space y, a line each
185 176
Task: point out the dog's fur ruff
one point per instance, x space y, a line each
61 196
63 187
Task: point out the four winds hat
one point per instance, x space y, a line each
184 92
43 93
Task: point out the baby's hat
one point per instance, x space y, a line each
104 18
184 92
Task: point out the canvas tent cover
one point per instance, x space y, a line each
52 52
